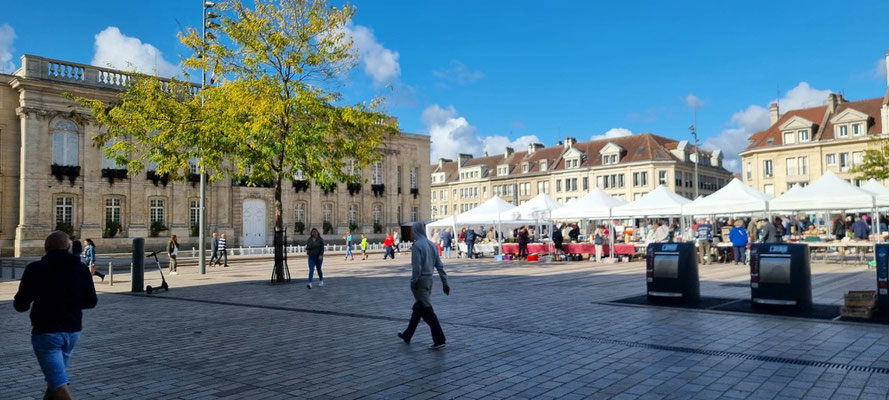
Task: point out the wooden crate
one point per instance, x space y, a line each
861 298
856 312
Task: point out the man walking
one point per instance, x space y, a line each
223 254
387 245
396 242
348 238
59 286
704 236
214 248
424 257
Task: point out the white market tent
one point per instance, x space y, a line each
595 205
881 192
734 198
660 202
828 193
540 207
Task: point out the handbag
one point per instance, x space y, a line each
598 239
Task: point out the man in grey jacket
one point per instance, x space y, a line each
424 258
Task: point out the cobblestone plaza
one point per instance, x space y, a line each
515 330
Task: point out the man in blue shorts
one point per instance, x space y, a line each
59 286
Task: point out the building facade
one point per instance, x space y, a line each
626 167
52 176
801 145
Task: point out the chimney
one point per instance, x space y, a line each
486 154
569 142
832 101
442 162
508 152
773 114
462 159
559 144
533 147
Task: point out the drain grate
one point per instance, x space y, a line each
650 346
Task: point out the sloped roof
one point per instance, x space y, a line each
871 107
772 136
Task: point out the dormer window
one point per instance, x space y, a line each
572 163
788 137
502 170
843 131
543 166
856 129
526 167
610 159
803 135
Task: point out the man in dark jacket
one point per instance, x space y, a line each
557 238
771 233
425 261
470 241
446 238
59 286
860 229
214 248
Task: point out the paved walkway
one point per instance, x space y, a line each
515 330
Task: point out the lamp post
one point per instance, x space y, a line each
202 218
694 133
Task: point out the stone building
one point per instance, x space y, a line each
51 175
626 167
800 145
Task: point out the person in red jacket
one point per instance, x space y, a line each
388 243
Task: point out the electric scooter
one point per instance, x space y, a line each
163 286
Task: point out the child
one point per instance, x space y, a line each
363 247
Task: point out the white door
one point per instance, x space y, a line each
254 223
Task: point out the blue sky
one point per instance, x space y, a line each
480 75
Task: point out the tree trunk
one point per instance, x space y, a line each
279 275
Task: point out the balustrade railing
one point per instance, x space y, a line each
37 67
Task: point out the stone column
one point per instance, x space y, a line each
34 166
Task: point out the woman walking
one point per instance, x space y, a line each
173 251
315 251
348 238
89 258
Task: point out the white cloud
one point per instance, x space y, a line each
458 73
452 134
693 101
114 49
755 118
380 63
613 133
7 36
880 69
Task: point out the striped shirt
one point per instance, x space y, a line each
221 243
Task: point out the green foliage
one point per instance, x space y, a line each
328 228
876 161
156 229
65 227
378 228
111 229
299 227
195 230
353 227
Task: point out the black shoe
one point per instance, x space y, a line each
225 266
406 340
436 346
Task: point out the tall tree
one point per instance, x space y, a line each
275 114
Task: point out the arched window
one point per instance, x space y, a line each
353 214
327 212
65 146
300 213
378 213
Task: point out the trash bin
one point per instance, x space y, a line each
672 272
780 275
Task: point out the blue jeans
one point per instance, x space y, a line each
315 262
53 350
740 254
389 253
470 248
349 250
447 251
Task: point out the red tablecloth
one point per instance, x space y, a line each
571 248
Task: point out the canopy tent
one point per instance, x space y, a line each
540 207
733 198
660 202
881 192
595 205
486 213
828 193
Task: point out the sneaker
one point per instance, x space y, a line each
309 285
171 273
320 283
436 346
401 336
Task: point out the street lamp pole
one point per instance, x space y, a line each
694 133
202 218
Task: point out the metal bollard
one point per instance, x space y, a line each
110 274
138 274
